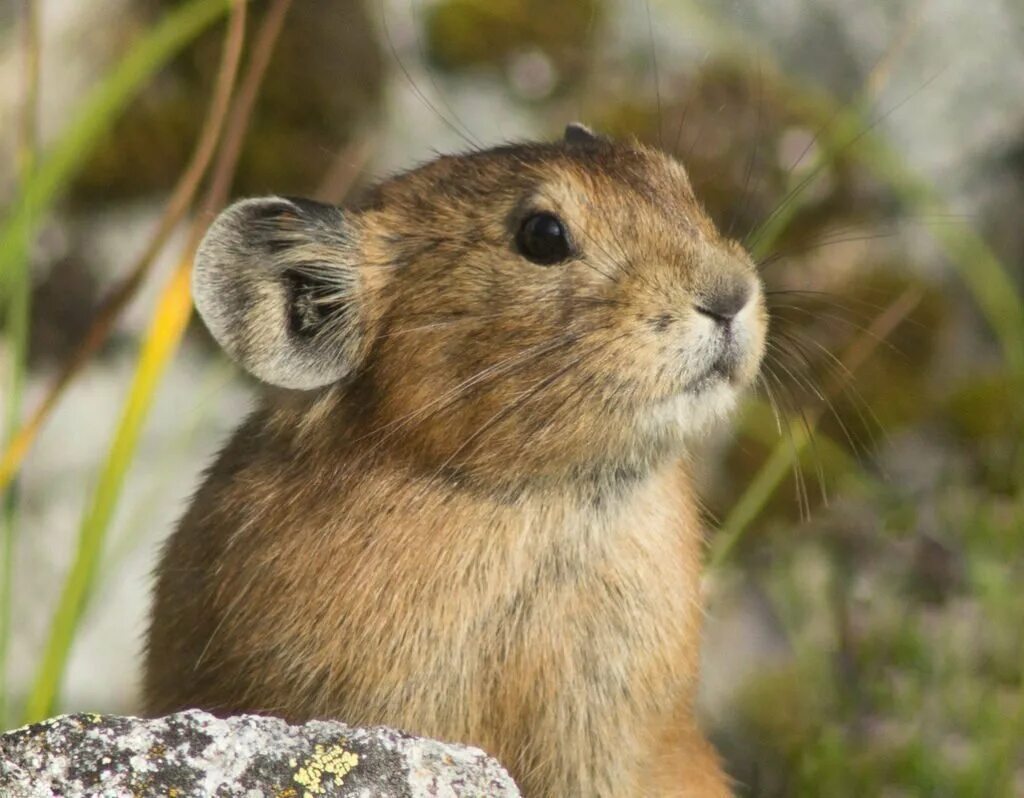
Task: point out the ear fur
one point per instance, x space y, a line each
578 133
277 284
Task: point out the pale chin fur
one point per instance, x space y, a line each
694 413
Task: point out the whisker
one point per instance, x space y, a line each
824 399
657 79
772 403
822 243
839 302
459 391
753 156
799 481
845 384
808 429
461 317
465 136
842 234
528 395
814 173
858 327
430 72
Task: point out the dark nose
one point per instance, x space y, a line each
723 305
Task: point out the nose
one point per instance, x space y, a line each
724 304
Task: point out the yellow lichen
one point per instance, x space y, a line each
326 760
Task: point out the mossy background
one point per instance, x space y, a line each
865 630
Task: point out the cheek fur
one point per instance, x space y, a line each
750 331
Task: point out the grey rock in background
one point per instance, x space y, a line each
196 754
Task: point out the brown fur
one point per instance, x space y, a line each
487 532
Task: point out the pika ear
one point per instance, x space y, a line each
277 284
578 133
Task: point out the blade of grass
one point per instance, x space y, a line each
170 463
160 344
759 424
773 471
95 117
845 126
241 112
18 445
17 322
162 337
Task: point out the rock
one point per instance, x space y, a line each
196 754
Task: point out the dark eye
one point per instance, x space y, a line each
543 240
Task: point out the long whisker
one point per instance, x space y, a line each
832 316
823 398
430 72
772 403
465 136
847 145
527 395
821 243
460 317
854 306
799 481
459 391
808 428
738 214
843 380
657 77
843 234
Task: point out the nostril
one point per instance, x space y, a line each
712 315
724 305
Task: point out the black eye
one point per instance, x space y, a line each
543 240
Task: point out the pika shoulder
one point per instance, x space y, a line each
464 509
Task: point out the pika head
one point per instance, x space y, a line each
533 310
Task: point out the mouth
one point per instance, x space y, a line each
724 369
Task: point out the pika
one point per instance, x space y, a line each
463 507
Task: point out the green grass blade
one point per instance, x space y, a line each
757 494
17 309
16 328
161 342
18 306
44 184
786 452
95 118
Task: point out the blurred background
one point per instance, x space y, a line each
865 630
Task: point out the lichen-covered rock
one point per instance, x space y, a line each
196 754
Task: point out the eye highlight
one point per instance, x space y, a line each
542 239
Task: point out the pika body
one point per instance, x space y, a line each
463 505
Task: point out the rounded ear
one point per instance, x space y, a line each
277 284
579 134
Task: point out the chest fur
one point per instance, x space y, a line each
512 626
521 603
